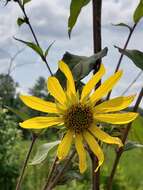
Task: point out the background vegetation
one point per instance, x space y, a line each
14 143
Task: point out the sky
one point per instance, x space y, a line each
49 20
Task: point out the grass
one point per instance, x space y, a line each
129 174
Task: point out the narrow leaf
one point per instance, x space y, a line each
33 46
23 116
26 1
135 55
20 21
42 152
75 9
138 14
47 50
123 25
131 145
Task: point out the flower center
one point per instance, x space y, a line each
79 117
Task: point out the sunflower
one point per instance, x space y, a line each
80 114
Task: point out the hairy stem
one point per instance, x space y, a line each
33 33
52 169
34 137
124 138
97 43
53 183
122 55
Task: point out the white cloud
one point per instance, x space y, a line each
49 19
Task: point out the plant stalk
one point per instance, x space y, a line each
33 33
53 183
53 167
18 186
97 45
122 55
124 138
132 83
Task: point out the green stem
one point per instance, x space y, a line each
122 55
53 183
33 33
53 167
34 137
121 150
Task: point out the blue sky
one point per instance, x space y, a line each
49 19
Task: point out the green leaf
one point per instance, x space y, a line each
33 46
124 25
26 1
75 9
80 66
136 132
71 60
47 50
86 65
23 116
135 55
42 152
131 145
138 14
20 21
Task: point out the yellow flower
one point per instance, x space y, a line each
80 114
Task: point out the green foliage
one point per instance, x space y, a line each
7 90
21 21
136 133
23 116
131 145
9 136
37 49
138 14
40 88
126 178
26 1
75 9
47 50
86 65
80 66
135 55
123 25
42 152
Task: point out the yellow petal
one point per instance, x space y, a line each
95 148
81 152
101 135
92 82
56 90
64 146
70 81
115 104
105 87
39 104
41 122
116 118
